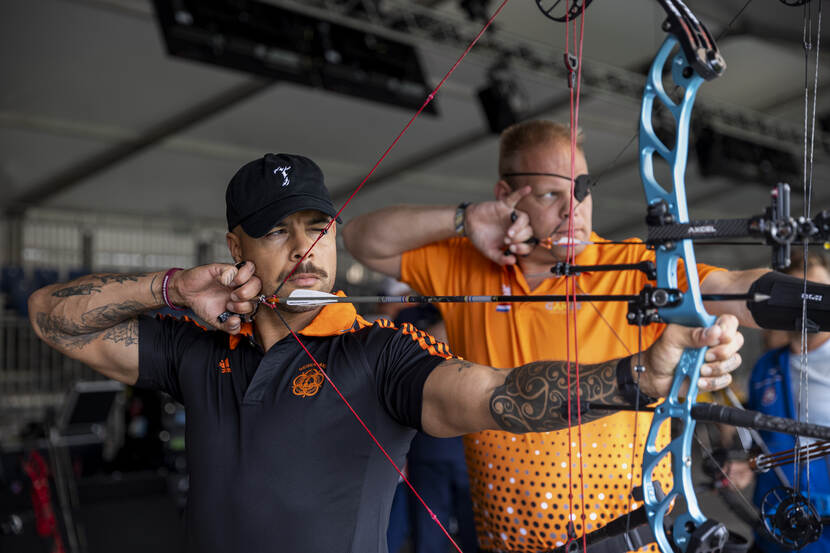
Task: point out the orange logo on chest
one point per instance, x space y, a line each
225 366
308 382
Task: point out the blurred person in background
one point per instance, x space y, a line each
435 466
782 385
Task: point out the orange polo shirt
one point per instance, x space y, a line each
519 483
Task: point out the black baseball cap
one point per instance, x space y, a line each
267 190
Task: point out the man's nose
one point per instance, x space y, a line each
565 208
301 244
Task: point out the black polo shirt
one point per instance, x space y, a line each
277 461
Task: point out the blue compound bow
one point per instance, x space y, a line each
690 56
697 60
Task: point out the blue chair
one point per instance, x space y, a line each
44 277
76 273
19 296
9 275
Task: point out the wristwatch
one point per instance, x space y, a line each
459 218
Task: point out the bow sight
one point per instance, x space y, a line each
775 226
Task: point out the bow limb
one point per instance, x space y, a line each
698 60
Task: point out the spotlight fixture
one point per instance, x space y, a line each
502 99
722 154
476 10
283 44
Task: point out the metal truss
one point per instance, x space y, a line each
427 27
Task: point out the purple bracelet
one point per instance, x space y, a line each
164 284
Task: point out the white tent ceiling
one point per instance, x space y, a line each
85 82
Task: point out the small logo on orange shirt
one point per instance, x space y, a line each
309 381
225 365
560 308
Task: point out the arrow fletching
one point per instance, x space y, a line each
310 297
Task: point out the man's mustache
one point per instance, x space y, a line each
304 268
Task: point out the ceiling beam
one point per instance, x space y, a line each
443 150
98 163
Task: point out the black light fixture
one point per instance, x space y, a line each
723 154
476 10
502 99
282 44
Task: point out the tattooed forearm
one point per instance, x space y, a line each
106 316
54 329
126 333
79 290
534 397
156 297
74 334
106 278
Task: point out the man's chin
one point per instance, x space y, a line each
296 308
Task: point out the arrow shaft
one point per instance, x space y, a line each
763 463
322 299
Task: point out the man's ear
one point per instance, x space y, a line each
502 189
234 246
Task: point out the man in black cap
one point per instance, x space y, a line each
277 462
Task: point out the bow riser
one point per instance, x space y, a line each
689 311
680 448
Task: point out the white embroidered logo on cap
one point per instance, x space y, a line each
284 171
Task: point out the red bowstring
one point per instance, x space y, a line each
570 282
432 515
429 99
389 148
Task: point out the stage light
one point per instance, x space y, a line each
476 10
275 42
502 99
722 154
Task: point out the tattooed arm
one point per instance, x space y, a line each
93 318
462 397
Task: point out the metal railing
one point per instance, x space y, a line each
34 378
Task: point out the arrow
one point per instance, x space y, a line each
315 297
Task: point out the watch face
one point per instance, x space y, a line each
459 218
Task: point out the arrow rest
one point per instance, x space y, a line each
644 310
